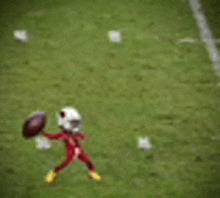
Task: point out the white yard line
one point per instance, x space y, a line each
206 34
195 41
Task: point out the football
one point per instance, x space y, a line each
34 125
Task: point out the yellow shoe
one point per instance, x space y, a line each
54 182
95 176
51 178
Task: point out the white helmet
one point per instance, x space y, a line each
70 119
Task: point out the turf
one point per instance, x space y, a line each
212 12
148 86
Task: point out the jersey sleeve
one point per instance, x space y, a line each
55 136
81 136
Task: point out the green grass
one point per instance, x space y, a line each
148 86
212 12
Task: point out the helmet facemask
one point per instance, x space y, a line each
70 120
77 125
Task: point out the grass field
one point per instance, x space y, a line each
211 9
212 12
148 86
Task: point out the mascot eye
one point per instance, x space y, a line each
62 114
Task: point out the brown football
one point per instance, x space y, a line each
34 125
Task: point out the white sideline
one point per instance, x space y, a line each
206 35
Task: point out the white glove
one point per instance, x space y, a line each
21 35
144 144
43 143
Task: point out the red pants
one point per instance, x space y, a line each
76 154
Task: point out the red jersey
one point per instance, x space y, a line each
71 140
